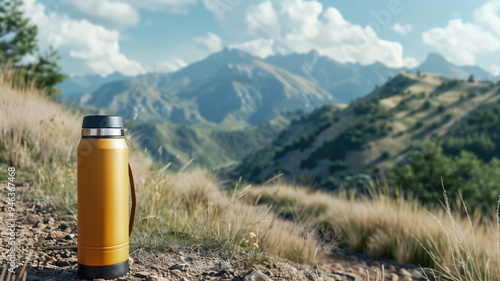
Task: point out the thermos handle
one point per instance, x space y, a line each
132 211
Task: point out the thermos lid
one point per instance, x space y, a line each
102 126
102 121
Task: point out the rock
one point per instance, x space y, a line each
62 263
157 278
352 276
392 277
358 269
391 267
176 272
289 268
33 219
422 274
315 275
142 274
225 265
335 277
376 264
181 266
403 272
211 274
57 234
65 275
338 267
256 275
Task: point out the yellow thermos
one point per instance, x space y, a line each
104 175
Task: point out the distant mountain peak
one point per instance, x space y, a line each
231 54
314 53
436 58
436 63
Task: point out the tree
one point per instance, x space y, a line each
421 173
426 105
18 40
385 155
18 37
47 72
471 79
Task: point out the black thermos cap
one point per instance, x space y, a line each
102 121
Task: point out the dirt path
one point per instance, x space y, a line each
46 243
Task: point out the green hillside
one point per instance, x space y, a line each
378 131
209 147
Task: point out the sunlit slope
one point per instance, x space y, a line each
226 90
375 131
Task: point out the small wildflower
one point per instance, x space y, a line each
246 242
255 246
252 235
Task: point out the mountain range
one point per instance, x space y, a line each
213 108
232 88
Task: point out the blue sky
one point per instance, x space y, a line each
134 37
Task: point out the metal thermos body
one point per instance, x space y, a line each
103 198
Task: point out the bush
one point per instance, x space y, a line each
422 170
385 155
426 105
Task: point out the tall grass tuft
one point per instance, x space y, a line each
193 206
460 245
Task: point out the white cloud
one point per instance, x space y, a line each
259 47
401 28
459 42
170 66
299 26
95 46
263 17
171 6
212 42
488 15
117 13
220 7
494 70
410 62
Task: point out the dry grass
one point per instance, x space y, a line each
192 205
458 244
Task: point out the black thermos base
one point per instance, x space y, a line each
105 271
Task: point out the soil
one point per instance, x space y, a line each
46 244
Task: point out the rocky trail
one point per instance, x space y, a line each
45 249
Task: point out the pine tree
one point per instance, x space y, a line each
18 40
